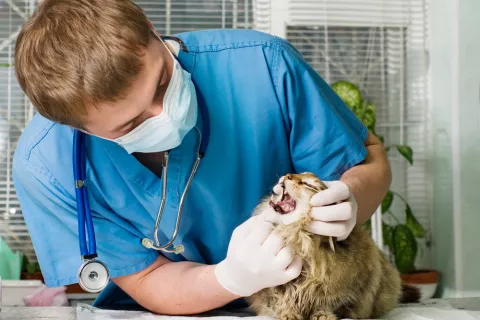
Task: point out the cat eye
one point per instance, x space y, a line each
309 185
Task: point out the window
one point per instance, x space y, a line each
15 112
380 45
171 17
168 17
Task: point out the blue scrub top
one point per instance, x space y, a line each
270 114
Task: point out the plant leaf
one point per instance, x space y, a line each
25 264
413 224
387 231
387 201
406 152
405 248
381 138
349 93
368 225
358 110
369 117
5 65
31 268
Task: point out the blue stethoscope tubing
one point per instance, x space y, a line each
83 207
93 275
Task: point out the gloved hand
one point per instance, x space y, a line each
334 211
256 259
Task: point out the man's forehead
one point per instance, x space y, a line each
137 96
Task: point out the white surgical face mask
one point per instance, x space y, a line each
166 130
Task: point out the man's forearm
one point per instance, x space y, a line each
370 180
176 288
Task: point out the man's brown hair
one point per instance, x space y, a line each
73 54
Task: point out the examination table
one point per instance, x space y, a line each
455 309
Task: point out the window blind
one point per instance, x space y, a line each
368 13
169 17
381 46
15 112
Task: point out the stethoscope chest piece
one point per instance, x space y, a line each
93 276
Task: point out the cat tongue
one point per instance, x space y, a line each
283 203
287 203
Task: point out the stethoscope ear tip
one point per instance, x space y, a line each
147 243
177 249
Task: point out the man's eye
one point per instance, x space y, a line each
129 126
161 89
157 93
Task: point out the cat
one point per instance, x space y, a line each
340 279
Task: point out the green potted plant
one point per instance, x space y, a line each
400 238
31 270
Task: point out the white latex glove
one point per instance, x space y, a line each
334 211
256 259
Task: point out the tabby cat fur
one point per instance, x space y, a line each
352 279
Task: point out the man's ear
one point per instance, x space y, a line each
155 33
81 130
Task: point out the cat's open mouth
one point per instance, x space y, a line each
283 204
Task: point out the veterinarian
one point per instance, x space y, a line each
98 67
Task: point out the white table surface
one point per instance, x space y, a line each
70 313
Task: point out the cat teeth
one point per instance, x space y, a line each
332 245
283 194
278 197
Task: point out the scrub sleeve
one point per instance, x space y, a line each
51 216
325 136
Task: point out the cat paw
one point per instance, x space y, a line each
324 315
291 317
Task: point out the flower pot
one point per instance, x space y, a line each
425 280
32 276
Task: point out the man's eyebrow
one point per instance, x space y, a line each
123 125
161 77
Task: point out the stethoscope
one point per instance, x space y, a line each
93 275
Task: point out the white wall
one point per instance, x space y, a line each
455 80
